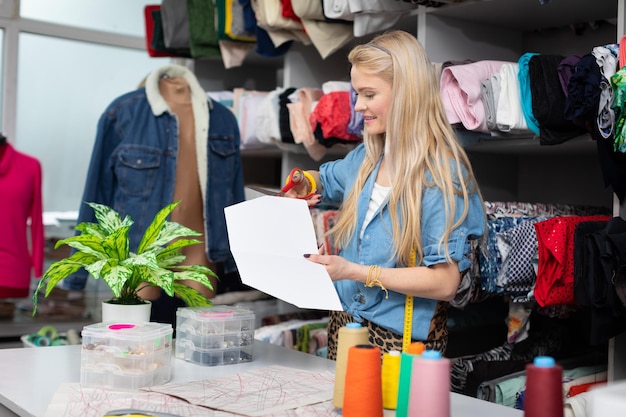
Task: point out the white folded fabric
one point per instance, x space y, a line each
509 112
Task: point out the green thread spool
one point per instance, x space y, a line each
414 350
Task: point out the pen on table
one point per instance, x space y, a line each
130 412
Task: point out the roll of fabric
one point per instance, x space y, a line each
548 100
461 93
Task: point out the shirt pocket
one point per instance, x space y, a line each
223 157
136 168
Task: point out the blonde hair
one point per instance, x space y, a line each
421 140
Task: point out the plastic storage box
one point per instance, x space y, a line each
124 356
215 335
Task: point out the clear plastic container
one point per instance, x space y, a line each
125 356
215 335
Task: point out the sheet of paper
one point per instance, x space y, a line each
268 237
273 391
262 392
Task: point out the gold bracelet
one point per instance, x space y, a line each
373 279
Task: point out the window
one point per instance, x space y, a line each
65 83
63 88
121 17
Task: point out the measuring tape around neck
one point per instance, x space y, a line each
408 311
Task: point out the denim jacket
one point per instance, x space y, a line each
133 164
375 248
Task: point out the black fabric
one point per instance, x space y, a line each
616 236
602 253
613 166
283 115
581 107
548 100
318 134
586 261
583 91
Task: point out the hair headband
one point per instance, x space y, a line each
380 48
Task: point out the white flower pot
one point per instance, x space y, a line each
123 313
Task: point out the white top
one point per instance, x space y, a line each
379 195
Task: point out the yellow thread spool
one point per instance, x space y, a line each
351 334
391 379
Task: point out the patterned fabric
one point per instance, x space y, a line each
463 366
544 342
470 289
490 261
495 209
618 85
518 321
323 220
518 249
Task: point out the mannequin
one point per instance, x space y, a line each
175 91
20 213
164 142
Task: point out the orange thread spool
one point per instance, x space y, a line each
363 395
416 348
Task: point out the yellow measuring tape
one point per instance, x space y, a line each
408 311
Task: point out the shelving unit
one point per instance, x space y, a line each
517 169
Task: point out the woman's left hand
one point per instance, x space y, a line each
336 266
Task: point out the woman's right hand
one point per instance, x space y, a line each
300 184
312 201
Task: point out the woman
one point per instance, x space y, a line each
407 192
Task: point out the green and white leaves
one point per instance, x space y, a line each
103 249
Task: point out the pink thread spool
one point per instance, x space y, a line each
430 386
544 388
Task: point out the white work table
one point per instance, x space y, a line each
30 377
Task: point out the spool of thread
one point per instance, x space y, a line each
363 392
351 334
544 392
404 381
430 386
48 331
73 337
42 341
391 378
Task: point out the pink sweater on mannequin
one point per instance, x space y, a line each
20 205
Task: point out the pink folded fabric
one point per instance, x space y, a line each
461 95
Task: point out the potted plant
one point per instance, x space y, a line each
103 249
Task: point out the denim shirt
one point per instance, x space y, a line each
133 166
375 248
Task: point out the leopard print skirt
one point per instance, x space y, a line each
385 339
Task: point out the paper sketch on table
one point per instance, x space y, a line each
268 237
273 391
260 392
74 400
